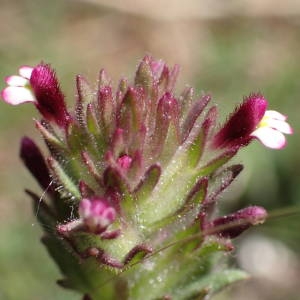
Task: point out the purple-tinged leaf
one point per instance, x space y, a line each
85 96
131 113
194 112
137 253
186 100
85 190
104 79
118 143
149 181
221 182
167 112
233 225
89 163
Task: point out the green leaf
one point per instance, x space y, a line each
63 178
51 139
144 75
85 96
77 138
210 284
43 212
217 162
82 275
91 120
149 181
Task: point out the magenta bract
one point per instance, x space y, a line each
237 130
49 97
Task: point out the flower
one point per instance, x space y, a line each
252 120
40 86
124 162
19 90
96 213
270 130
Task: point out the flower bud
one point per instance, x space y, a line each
233 225
124 162
34 161
96 213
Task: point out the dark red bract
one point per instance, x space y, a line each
34 161
50 99
236 131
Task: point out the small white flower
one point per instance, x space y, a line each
18 90
270 131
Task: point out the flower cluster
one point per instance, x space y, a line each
131 172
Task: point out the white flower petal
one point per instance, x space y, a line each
270 137
16 80
17 95
273 114
282 126
25 71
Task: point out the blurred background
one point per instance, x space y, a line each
228 48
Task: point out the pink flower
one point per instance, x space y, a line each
252 120
270 130
96 213
40 86
19 90
124 162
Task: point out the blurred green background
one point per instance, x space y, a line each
227 48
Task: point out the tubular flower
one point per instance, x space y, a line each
252 120
40 86
132 180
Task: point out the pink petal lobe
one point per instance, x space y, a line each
270 137
84 208
275 115
157 67
17 95
25 71
16 80
109 214
281 126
